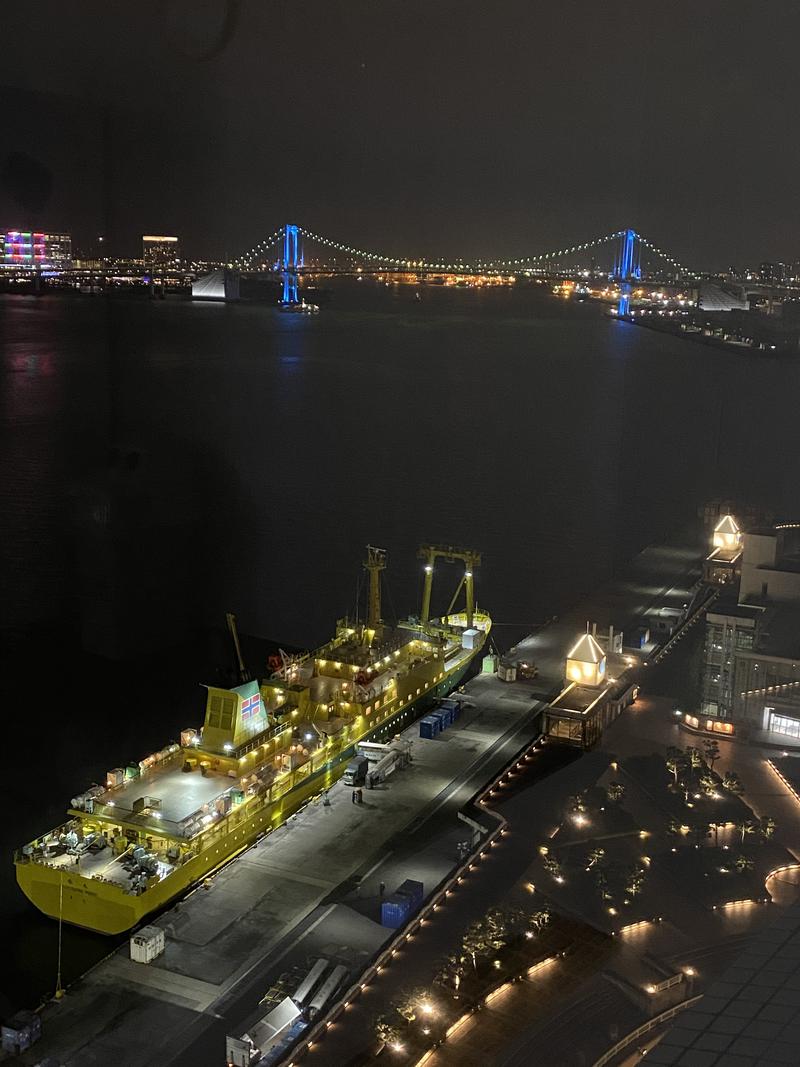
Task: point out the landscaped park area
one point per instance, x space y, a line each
646 883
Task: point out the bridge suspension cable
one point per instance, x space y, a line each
378 257
460 264
555 255
446 262
247 258
664 255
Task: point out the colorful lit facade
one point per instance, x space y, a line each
36 249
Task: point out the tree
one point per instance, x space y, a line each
450 973
745 828
386 1030
732 783
767 827
484 934
615 791
601 883
539 919
675 828
409 1001
676 762
552 866
594 856
711 746
694 756
709 783
635 880
577 803
743 863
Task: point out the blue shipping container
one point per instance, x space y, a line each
415 891
439 716
395 911
429 727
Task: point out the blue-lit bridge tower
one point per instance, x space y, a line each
627 267
292 259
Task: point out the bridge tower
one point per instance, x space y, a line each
292 259
627 267
628 262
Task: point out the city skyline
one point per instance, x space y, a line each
666 121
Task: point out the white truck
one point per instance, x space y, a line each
397 754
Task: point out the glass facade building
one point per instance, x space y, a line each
727 632
37 249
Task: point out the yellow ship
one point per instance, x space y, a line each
154 829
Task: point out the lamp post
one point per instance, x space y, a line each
59 989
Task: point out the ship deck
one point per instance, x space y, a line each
103 865
181 792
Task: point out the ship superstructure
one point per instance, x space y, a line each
154 828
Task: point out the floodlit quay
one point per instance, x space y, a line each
312 887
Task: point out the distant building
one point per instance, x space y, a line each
34 248
715 297
220 284
160 253
751 657
773 273
771 565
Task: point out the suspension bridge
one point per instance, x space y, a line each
292 251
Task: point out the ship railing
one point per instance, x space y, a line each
141 820
261 739
21 856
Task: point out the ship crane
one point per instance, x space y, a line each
450 554
244 674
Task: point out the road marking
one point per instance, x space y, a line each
375 866
294 876
268 960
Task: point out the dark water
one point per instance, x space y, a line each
161 463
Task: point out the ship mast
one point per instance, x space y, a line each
374 564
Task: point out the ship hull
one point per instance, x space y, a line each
107 908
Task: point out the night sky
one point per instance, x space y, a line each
416 128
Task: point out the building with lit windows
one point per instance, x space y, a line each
160 253
36 249
751 656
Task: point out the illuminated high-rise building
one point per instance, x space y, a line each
160 253
34 248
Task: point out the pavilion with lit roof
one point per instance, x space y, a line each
590 699
724 561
